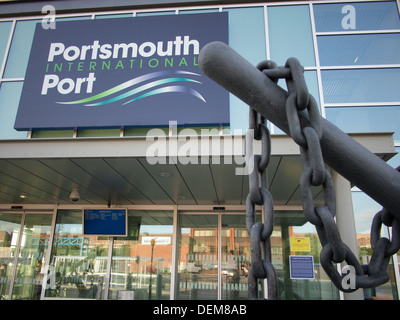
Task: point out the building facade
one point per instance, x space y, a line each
177 179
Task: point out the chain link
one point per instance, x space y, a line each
260 232
307 134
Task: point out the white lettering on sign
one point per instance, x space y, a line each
122 50
67 85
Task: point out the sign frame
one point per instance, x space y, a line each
87 232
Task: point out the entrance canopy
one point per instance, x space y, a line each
151 171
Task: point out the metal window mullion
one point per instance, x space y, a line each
317 62
366 66
17 249
359 32
174 256
219 252
362 104
268 51
398 7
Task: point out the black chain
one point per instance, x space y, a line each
260 232
307 134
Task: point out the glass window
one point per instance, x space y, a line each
10 225
72 19
290 34
99 133
141 262
160 13
361 85
362 49
366 119
247 33
20 49
5 28
10 93
79 261
319 287
247 37
114 16
198 11
356 16
32 256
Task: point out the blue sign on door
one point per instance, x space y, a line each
108 222
301 267
127 72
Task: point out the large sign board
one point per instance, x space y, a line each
128 72
105 222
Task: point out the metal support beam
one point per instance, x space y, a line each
354 162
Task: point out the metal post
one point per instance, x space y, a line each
152 242
350 159
345 222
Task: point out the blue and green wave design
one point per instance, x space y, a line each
139 89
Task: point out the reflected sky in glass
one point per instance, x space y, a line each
363 49
366 119
361 85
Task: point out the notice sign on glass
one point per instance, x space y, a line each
106 222
301 267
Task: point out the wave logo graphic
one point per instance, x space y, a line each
143 87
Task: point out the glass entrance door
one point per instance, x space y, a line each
33 248
213 257
24 246
10 226
197 277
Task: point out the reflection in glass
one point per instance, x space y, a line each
18 57
10 93
358 86
236 257
79 261
32 255
10 225
290 34
141 262
197 277
319 288
382 15
366 119
247 37
5 28
362 49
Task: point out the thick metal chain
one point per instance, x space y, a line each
260 232
308 135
